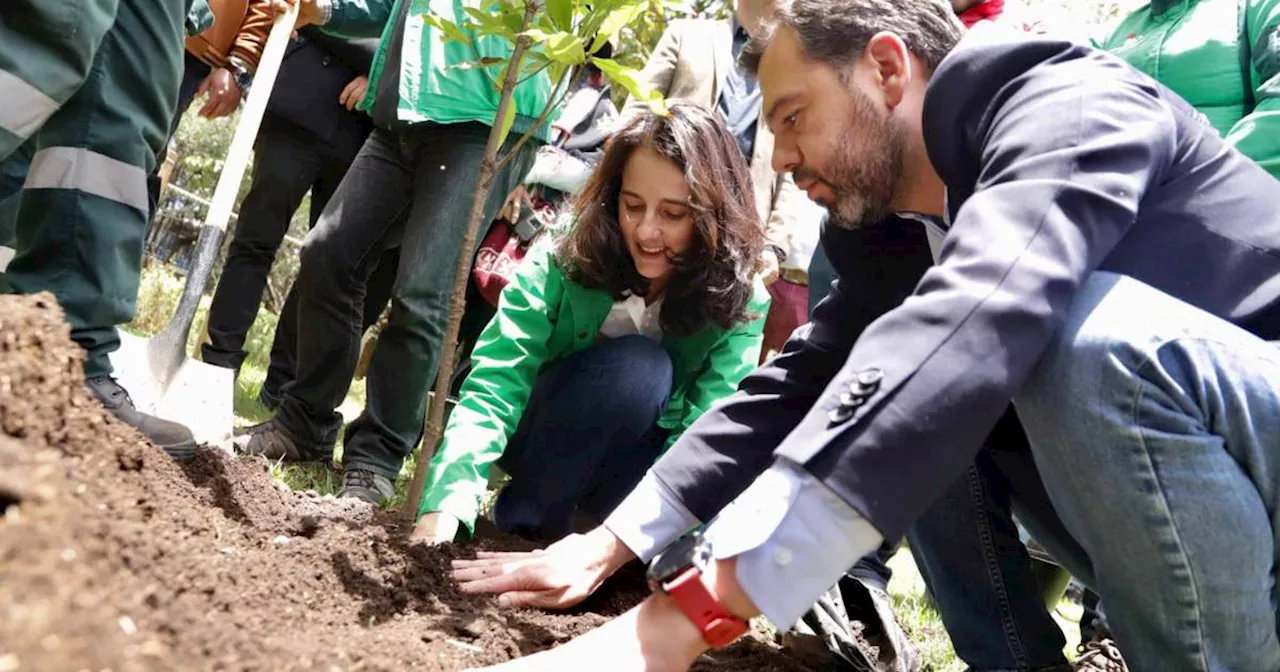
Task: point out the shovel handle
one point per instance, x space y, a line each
224 195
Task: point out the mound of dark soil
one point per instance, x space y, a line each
114 557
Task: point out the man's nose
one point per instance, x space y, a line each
786 156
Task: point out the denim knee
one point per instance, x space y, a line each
646 370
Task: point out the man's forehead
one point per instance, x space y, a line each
784 71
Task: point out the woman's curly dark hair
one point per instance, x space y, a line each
712 282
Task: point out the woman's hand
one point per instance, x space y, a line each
558 577
770 267
436 528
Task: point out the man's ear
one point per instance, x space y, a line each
891 63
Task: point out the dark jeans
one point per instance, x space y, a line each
284 345
976 566
562 458
411 188
288 162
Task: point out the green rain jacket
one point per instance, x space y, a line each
432 86
1222 56
542 318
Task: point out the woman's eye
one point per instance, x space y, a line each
633 207
675 216
790 119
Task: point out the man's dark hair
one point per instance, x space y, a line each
713 280
836 32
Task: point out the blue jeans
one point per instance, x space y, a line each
1156 429
587 437
976 566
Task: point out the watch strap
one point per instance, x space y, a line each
718 627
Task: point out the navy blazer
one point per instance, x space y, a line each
1058 160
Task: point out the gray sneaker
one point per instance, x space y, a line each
274 441
367 486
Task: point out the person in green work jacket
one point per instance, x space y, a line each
87 89
1222 56
605 349
432 120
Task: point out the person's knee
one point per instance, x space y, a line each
647 369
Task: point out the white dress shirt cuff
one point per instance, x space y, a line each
793 538
650 518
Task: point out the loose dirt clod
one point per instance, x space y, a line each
114 557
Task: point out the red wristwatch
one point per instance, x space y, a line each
677 571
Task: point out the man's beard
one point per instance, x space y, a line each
865 167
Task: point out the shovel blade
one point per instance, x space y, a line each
196 394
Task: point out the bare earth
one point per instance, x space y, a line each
114 557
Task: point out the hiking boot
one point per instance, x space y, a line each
368 486
173 438
1100 655
274 441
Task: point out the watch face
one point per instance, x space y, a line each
687 551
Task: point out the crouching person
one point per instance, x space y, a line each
605 348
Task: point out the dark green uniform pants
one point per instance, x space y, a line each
87 91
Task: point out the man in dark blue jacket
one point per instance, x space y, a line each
1064 196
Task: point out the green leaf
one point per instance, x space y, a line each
561 12
508 120
489 24
564 48
614 22
452 32
624 77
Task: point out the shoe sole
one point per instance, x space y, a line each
181 452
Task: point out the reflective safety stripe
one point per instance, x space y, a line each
6 256
25 108
88 171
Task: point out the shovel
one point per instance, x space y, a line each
160 377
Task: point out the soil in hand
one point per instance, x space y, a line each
114 557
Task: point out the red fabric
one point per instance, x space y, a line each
497 260
989 10
789 310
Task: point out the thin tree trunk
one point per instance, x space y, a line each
457 302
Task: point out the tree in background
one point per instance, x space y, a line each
557 37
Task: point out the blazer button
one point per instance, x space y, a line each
326 61
852 400
870 378
582 335
840 414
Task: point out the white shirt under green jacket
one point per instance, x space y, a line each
432 87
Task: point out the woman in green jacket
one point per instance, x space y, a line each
606 348
1222 56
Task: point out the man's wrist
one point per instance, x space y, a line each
721 578
666 631
613 553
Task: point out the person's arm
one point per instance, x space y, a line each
251 39
732 443
505 363
658 70
1257 135
728 362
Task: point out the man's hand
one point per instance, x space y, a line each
354 92
308 11
556 578
224 94
436 528
770 267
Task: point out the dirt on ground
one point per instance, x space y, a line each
114 557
